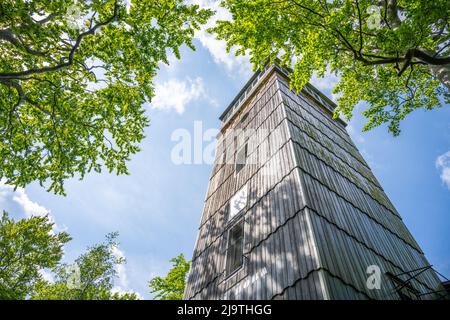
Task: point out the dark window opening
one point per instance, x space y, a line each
235 248
241 158
244 117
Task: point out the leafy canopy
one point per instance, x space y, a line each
73 78
392 54
27 247
90 277
171 287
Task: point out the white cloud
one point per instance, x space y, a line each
28 207
443 165
175 94
122 286
217 48
120 268
47 276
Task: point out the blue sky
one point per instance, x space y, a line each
157 208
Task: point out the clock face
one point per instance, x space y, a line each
238 202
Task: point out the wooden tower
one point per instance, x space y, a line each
293 211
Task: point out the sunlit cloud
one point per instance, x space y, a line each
443 165
176 94
234 65
27 207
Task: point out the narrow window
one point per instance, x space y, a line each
235 247
241 158
244 117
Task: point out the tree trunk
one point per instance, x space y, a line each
392 14
442 73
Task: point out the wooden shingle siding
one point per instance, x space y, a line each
340 290
313 113
347 258
316 217
307 131
347 192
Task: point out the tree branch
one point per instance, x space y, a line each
18 42
392 13
45 20
69 62
360 27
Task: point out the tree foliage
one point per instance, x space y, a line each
73 78
27 247
171 287
392 54
93 279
